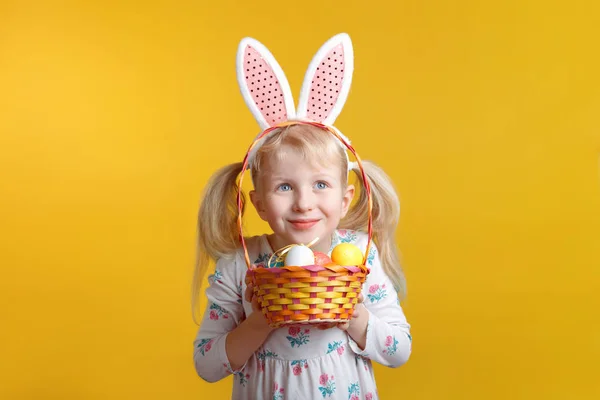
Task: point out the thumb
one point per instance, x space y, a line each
249 293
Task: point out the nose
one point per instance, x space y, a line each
304 200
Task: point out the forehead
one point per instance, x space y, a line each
294 167
288 160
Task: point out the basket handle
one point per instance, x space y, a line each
334 133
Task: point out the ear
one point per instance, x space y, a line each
327 81
258 204
263 84
347 199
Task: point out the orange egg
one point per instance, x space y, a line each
322 258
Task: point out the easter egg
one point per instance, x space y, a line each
322 258
347 254
299 256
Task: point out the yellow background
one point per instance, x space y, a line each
114 114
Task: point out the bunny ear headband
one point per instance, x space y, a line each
268 96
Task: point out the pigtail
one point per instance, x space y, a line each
386 214
217 229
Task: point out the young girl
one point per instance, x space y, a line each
300 172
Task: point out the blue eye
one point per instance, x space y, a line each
321 185
284 187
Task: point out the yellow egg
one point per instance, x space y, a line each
347 254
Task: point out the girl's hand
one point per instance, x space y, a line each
257 314
359 309
252 299
248 336
357 327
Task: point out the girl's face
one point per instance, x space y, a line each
301 200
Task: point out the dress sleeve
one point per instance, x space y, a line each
224 312
388 333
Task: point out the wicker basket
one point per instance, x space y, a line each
306 294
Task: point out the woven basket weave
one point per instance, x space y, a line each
306 294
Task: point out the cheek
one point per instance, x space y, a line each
334 203
275 207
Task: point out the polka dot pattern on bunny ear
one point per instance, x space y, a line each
264 87
326 85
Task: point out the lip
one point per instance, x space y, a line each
303 224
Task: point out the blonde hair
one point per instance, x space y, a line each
312 144
386 215
217 230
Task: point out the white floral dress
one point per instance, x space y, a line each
301 362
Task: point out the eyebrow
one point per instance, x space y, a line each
315 176
327 176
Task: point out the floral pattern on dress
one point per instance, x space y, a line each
216 277
298 365
376 293
216 312
347 236
369 396
327 385
392 345
228 368
365 361
262 356
205 345
298 336
335 240
239 293
353 391
243 378
335 346
277 392
263 259
371 255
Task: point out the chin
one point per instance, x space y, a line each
300 238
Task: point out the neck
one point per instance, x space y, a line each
323 245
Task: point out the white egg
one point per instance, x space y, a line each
299 256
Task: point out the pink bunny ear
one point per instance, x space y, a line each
263 84
327 81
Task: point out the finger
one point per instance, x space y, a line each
343 325
360 298
357 310
324 326
249 293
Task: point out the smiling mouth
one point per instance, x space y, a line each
304 224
